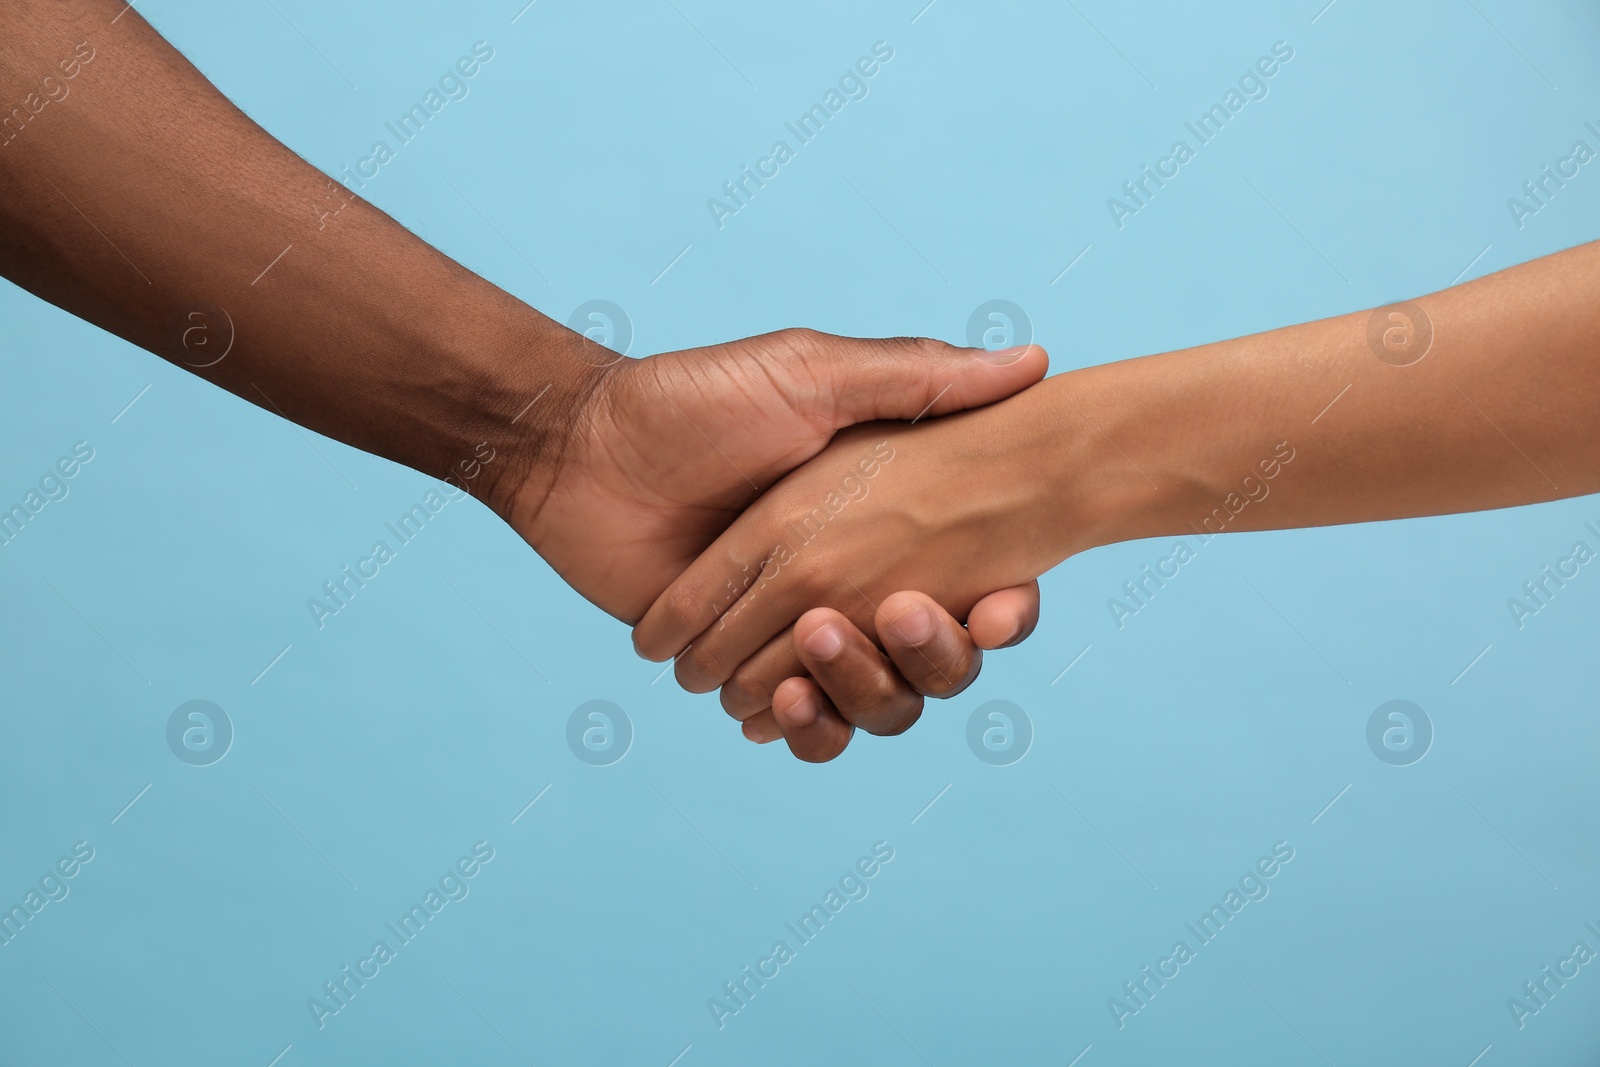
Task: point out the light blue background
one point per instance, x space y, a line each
1171 756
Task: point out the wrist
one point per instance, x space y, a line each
1118 470
413 358
1168 445
516 394
484 396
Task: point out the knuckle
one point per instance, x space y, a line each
954 682
808 582
924 347
941 683
745 694
681 617
903 722
812 585
938 667
696 666
798 340
866 706
873 701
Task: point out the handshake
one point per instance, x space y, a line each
826 529
760 510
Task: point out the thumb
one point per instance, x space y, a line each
915 377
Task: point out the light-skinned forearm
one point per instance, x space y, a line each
1503 409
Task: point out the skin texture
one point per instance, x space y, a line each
139 198
1350 419
847 684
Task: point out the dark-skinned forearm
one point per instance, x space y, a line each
142 200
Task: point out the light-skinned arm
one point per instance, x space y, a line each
1486 395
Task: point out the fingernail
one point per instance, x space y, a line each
1005 356
825 642
915 626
